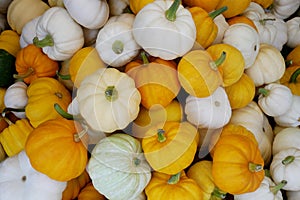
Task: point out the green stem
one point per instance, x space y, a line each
255 167
171 12
217 12
63 77
111 94
263 21
174 179
288 160
288 63
118 47
294 76
22 76
47 41
215 64
265 92
144 58
279 186
127 10
63 113
136 161
218 194
78 136
161 135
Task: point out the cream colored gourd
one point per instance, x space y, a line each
4 6
174 27
222 25
28 32
293 195
117 7
293 31
267 190
16 97
212 112
92 14
21 11
58 34
274 99
245 39
284 166
284 8
268 67
115 42
286 138
108 100
118 168
19 180
292 115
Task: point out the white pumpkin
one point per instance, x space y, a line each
222 25
108 100
286 138
285 166
246 39
211 112
293 195
58 34
292 116
293 26
267 190
268 67
117 7
118 168
275 99
28 32
167 36
115 42
16 97
284 8
92 14
19 181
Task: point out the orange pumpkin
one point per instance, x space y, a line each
235 7
206 5
264 3
241 19
90 193
293 57
32 63
55 149
291 79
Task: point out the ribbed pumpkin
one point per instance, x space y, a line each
241 19
293 56
9 41
291 79
32 63
206 5
264 3
137 5
90 193
235 7
55 149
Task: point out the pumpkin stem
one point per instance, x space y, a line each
47 41
144 58
160 135
136 161
127 10
22 76
255 167
265 92
174 179
78 136
214 65
294 76
171 12
63 77
267 173
218 193
279 186
118 46
6 110
63 113
263 21
288 160
217 12
288 63
111 93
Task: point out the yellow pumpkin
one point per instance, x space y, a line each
241 19
291 79
3 155
206 5
241 93
263 3
235 7
137 5
170 147
90 193
293 57
2 94
42 94
9 41
175 187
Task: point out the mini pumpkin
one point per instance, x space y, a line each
291 79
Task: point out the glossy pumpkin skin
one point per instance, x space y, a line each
241 19
42 94
170 147
137 5
291 79
235 7
90 193
9 41
206 5
161 187
54 148
32 63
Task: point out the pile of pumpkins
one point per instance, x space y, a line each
149 99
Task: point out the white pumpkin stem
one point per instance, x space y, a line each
78 136
144 58
294 76
118 47
63 77
288 160
47 41
215 64
255 167
25 75
161 135
111 94
136 161
279 186
174 179
263 21
217 12
171 12
265 92
218 194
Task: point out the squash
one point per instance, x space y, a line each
287 137
245 39
60 155
7 68
117 100
117 7
89 192
284 8
16 97
92 15
32 63
283 167
234 7
9 41
291 79
209 6
271 96
17 18
58 34
137 5
27 183
28 32
156 80
293 32
241 93
171 22
175 187
118 168
13 137
115 42
201 172
210 112
241 19
198 73
293 195
42 94
293 56
268 67
264 3
237 163
170 147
